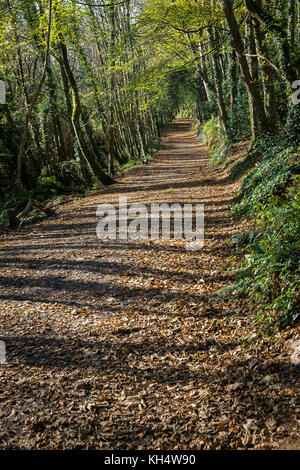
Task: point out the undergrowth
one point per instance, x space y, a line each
64 179
277 162
269 274
216 141
270 195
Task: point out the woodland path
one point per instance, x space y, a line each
117 344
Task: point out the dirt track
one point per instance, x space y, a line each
117 344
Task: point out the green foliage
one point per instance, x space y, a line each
220 154
211 134
48 185
216 141
66 179
270 271
272 172
239 122
292 125
270 193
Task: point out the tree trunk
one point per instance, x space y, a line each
257 111
34 99
112 52
268 79
91 160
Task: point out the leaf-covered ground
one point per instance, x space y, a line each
118 345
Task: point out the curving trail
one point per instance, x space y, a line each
117 344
